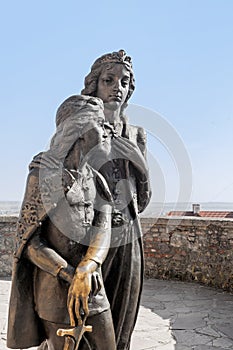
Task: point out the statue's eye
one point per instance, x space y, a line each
125 82
107 80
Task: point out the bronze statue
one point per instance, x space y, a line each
112 79
78 263
63 237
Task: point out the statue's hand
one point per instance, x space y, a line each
124 148
86 281
78 295
117 218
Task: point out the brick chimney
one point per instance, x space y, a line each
196 208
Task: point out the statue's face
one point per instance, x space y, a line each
93 134
113 85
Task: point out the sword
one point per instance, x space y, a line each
73 335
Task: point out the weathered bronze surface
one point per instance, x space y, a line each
73 335
112 79
79 257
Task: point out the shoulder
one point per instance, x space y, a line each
36 160
44 160
137 134
138 131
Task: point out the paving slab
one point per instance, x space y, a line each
173 315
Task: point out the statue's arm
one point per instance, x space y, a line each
31 245
101 233
40 198
142 177
86 280
143 183
29 240
142 140
138 167
48 259
143 190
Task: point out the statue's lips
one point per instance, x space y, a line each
115 98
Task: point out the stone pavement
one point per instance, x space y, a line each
173 316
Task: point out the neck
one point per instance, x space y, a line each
111 115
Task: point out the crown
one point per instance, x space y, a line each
114 57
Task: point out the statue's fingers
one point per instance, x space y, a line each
85 305
118 220
130 149
70 306
77 311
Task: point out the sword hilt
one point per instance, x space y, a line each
75 331
75 334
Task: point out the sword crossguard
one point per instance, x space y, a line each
75 332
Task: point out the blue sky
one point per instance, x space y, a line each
182 53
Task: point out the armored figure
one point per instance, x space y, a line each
112 79
63 237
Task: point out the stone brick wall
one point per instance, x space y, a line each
7 232
190 249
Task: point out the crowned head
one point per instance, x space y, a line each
104 62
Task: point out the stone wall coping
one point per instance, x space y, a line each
8 218
171 220
187 221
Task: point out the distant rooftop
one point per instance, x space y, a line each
202 213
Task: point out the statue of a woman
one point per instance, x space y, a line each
112 79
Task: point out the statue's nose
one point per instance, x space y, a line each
117 85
